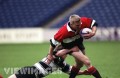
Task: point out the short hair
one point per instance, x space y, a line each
74 18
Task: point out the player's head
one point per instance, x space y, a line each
74 21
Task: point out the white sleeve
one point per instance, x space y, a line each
93 22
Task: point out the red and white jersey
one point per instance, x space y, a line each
66 35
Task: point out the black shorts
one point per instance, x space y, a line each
77 42
28 72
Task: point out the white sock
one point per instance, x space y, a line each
12 76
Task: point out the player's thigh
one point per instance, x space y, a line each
80 56
79 63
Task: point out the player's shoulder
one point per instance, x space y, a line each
63 29
62 33
86 22
86 19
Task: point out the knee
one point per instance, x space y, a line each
87 62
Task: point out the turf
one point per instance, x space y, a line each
103 55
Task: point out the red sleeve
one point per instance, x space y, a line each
86 22
61 34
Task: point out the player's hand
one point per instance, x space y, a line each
89 35
49 58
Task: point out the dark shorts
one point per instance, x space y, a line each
78 42
28 72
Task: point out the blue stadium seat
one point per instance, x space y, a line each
105 12
30 13
36 13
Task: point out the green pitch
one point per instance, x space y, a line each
105 56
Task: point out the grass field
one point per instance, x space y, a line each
105 56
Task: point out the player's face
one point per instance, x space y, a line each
76 25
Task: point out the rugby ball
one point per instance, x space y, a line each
85 31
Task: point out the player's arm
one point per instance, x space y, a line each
93 27
50 55
53 44
56 40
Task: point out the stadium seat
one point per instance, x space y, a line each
36 13
30 13
105 12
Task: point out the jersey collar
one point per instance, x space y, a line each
69 29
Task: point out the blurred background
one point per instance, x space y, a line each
27 25
37 20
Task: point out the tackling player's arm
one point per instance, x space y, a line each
50 54
55 41
52 51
